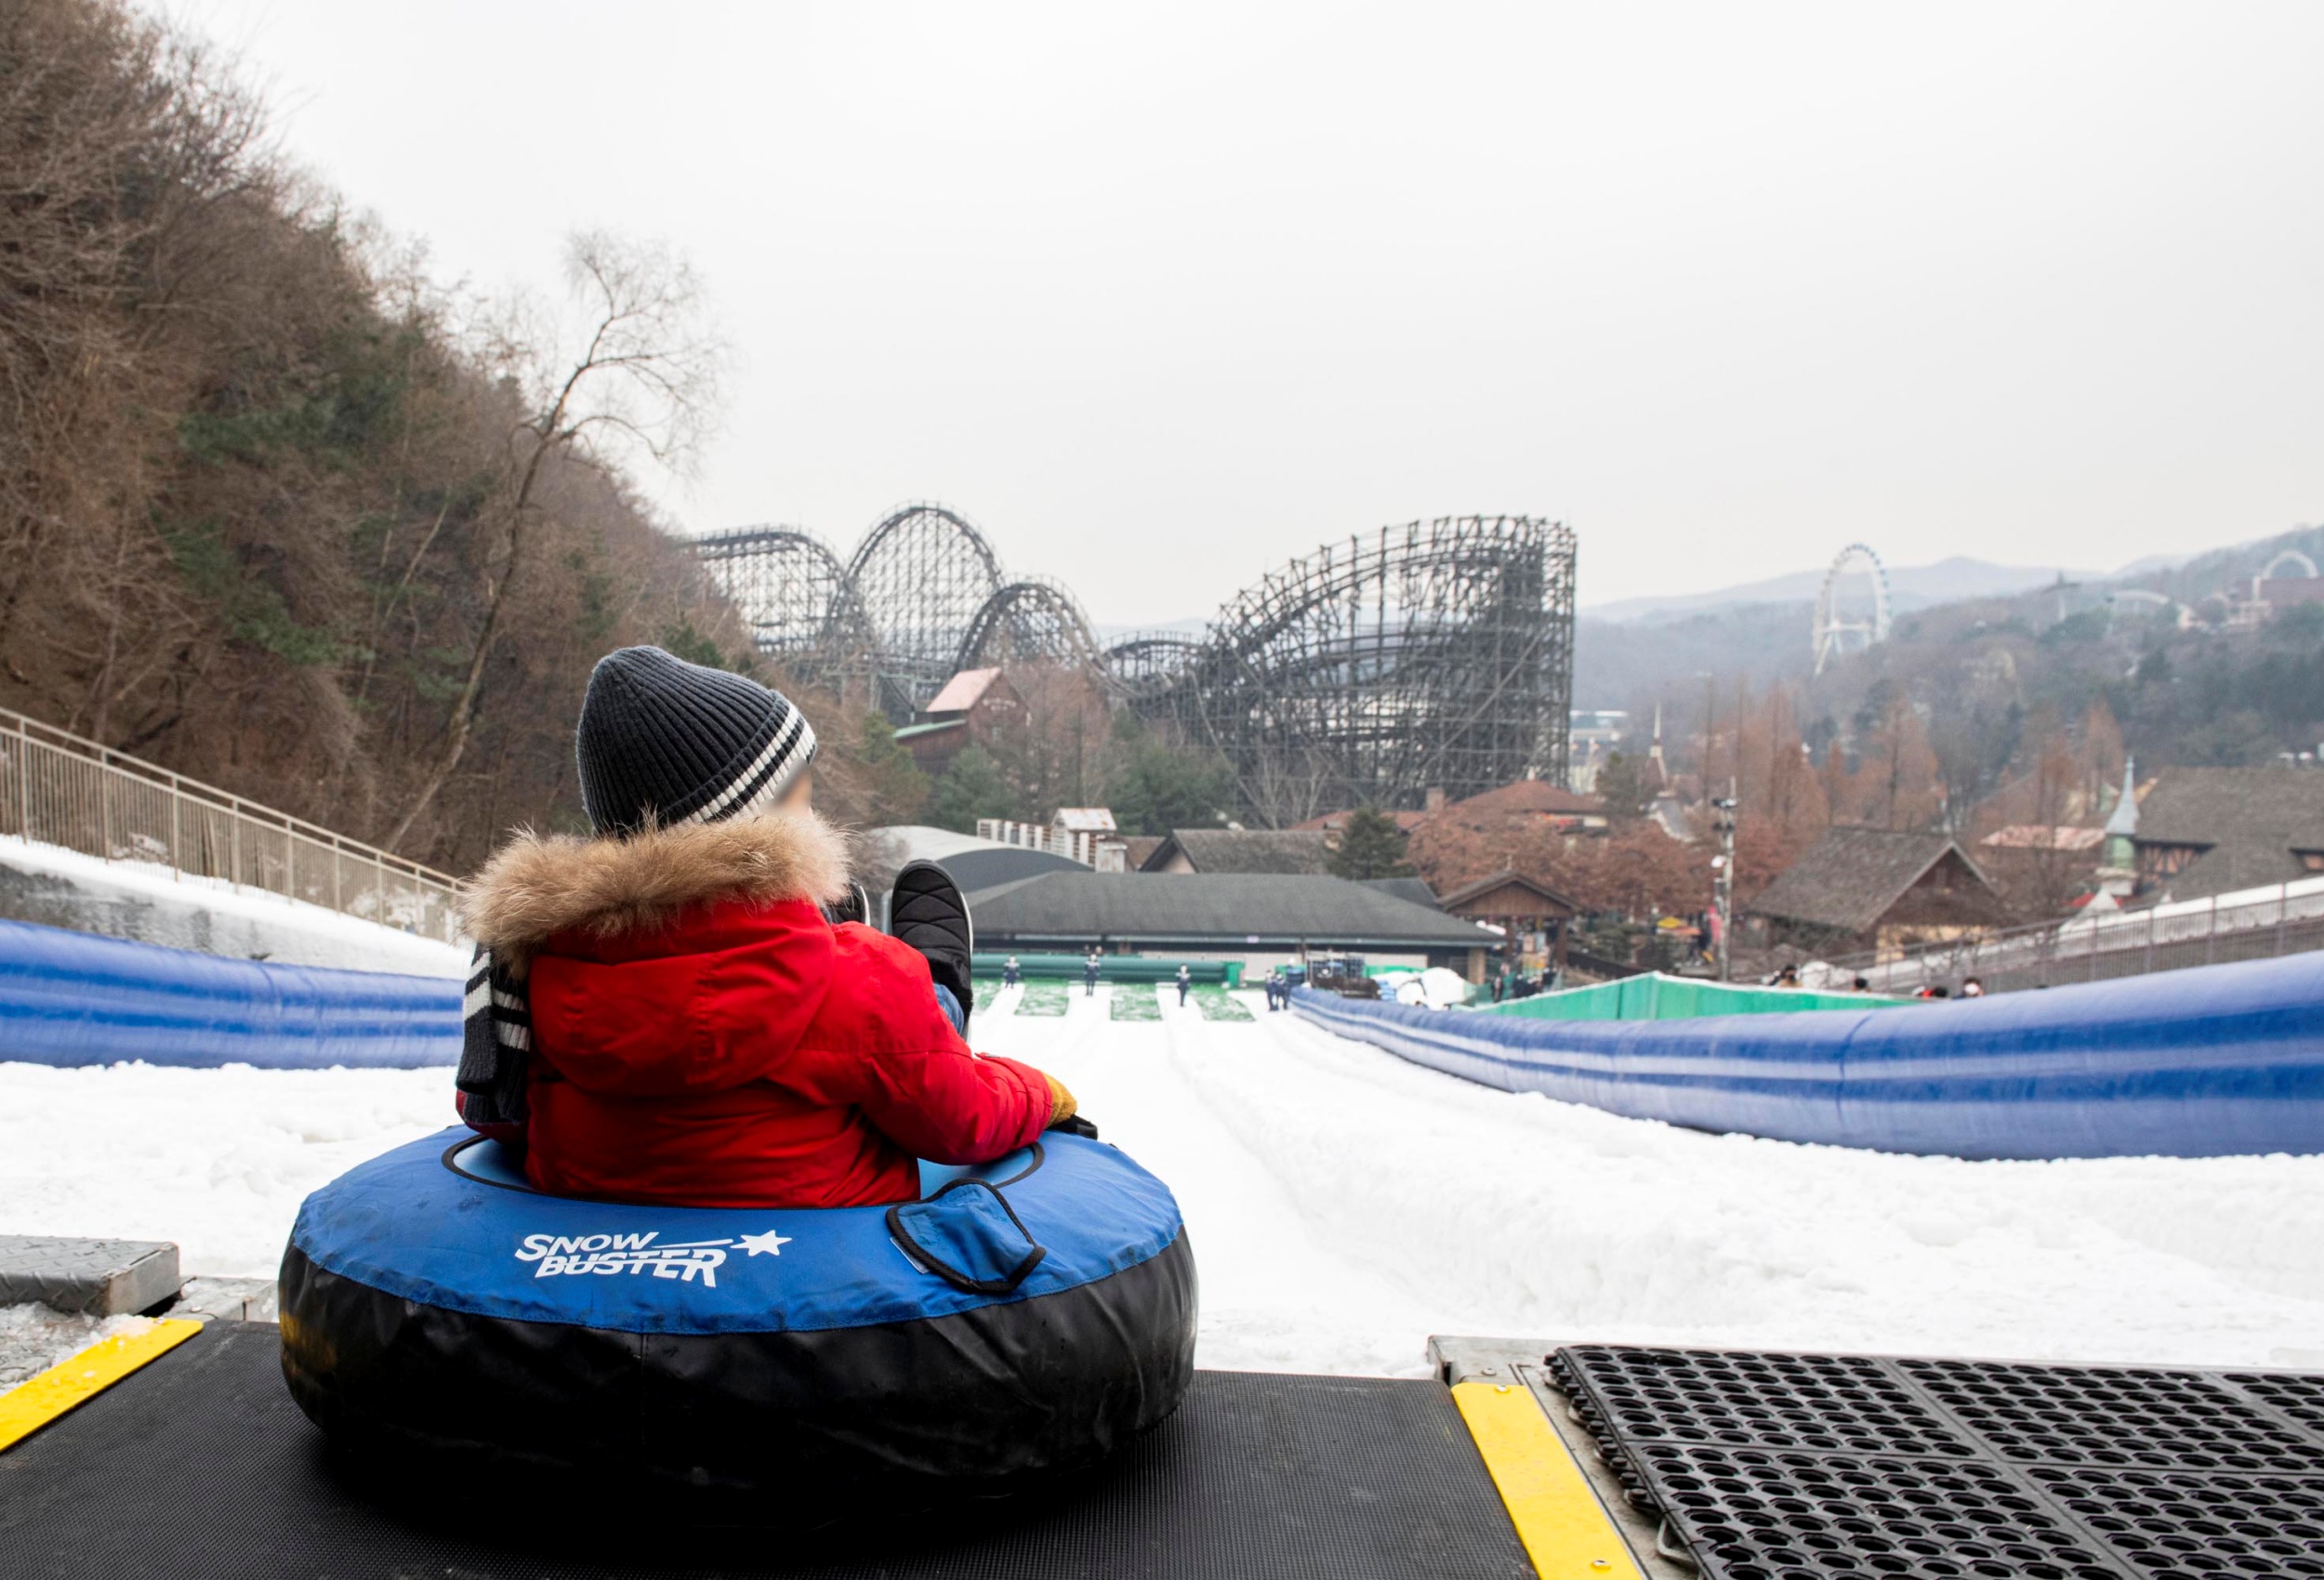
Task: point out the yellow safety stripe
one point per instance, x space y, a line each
80 1378
1566 1530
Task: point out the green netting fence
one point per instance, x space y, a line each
1657 997
1115 967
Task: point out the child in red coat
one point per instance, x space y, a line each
692 1029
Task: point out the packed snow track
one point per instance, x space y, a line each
1344 1205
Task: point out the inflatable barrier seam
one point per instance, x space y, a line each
2207 1061
70 999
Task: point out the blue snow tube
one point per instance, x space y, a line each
1022 1318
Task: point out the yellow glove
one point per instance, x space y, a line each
1061 1101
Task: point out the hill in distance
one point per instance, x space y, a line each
1909 588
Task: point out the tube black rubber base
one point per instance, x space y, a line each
199 1466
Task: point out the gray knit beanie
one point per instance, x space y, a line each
662 741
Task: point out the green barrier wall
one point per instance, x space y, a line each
1119 968
1657 997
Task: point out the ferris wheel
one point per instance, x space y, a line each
1843 623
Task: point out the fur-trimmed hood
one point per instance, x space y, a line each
539 886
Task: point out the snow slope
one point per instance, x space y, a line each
151 904
1344 1205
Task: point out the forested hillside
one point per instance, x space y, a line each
271 511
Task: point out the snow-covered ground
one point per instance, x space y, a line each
153 903
1345 1204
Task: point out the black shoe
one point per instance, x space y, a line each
853 906
926 911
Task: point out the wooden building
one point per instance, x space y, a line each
1859 888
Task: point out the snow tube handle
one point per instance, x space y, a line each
968 1235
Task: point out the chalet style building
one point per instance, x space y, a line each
1873 888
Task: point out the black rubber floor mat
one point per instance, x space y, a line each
1777 1466
199 1466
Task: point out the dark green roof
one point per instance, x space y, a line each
1213 909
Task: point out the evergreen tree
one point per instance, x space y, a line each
1158 786
897 788
972 787
1370 846
1624 786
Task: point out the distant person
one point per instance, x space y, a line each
1011 973
1789 977
1971 988
701 1032
1185 981
1501 985
1862 985
1089 969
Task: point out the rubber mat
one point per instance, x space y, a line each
1784 1467
199 1466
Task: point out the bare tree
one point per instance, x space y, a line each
1289 782
635 378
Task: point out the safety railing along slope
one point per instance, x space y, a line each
62 789
2253 924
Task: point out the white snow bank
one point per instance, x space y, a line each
153 904
1344 1205
217 1160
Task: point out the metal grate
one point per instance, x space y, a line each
2177 1525
1794 1516
1815 1402
2086 1416
2302 1398
1782 1467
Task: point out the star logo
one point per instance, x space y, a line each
771 1243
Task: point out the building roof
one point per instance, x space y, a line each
1537 796
935 727
1214 909
1852 877
974 863
1084 819
1332 822
2253 818
2044 836
1244 850
963 692
1413 889
2213 806
1507 878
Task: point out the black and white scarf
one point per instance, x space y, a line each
496 1041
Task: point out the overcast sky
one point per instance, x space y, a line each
1164 296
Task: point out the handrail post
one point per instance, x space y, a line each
2283 905
105 809
2210 935
23 781
2149 967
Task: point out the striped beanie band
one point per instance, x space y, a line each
662 741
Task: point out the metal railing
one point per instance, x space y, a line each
59 788
2248 925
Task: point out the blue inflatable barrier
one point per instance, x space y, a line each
2207 1062
70 998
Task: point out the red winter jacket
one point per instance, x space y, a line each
702 1036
